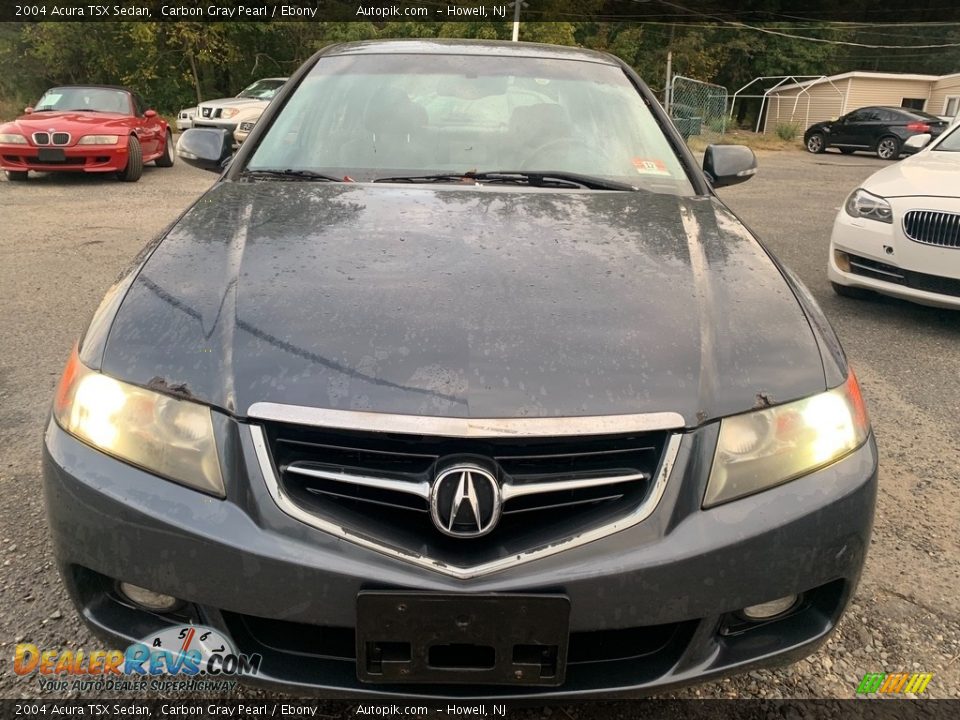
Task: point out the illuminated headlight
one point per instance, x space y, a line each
98 140
163 435
229 112
12 139
760 449
862 204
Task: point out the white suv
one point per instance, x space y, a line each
228 113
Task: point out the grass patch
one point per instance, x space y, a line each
788 131
755 141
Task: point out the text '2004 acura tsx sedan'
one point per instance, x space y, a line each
462 382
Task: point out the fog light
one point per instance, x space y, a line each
148 599
767 610
842 260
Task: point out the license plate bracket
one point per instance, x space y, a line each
51 155
493 639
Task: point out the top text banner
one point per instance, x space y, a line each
661 11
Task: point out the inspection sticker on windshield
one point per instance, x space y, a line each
645 166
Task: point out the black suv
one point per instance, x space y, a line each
883 130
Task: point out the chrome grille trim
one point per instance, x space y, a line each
510 491
41 138
60 138
422 489
465 427
933 227
639 514
873 269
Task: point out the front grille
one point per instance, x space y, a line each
378 485
61 138
205 112
908 278
41 138
933 228
246 126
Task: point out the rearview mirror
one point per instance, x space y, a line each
28 109
150 114
729 164
916 142
205 148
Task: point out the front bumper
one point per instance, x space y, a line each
289 592
216 123
77 158
885 261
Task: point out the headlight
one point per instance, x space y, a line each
12 139
229 112
98 140
163 435
862 204
760 449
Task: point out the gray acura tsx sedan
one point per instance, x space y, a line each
462 382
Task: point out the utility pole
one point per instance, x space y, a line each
517 4
668 89
668 92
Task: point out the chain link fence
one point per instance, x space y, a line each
698 109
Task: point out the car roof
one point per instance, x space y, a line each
456 46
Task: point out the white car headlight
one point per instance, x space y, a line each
229 112
764 448
98 140
163 435
13 139
862 204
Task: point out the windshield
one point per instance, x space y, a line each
950 142
379 116
85 99
262 89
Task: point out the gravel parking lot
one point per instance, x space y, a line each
65 238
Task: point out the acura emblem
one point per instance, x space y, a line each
465 501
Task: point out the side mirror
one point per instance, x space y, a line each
206 148
729 164
150 114
917 142
28 109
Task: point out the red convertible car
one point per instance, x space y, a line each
94 129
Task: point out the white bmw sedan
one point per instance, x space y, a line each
899 233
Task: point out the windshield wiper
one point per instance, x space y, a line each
290 174
85 110
536 178
543 177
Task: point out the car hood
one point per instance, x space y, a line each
238 103
463 302
929 173
75 123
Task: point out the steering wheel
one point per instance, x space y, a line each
544 157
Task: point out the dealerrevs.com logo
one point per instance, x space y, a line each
184 657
